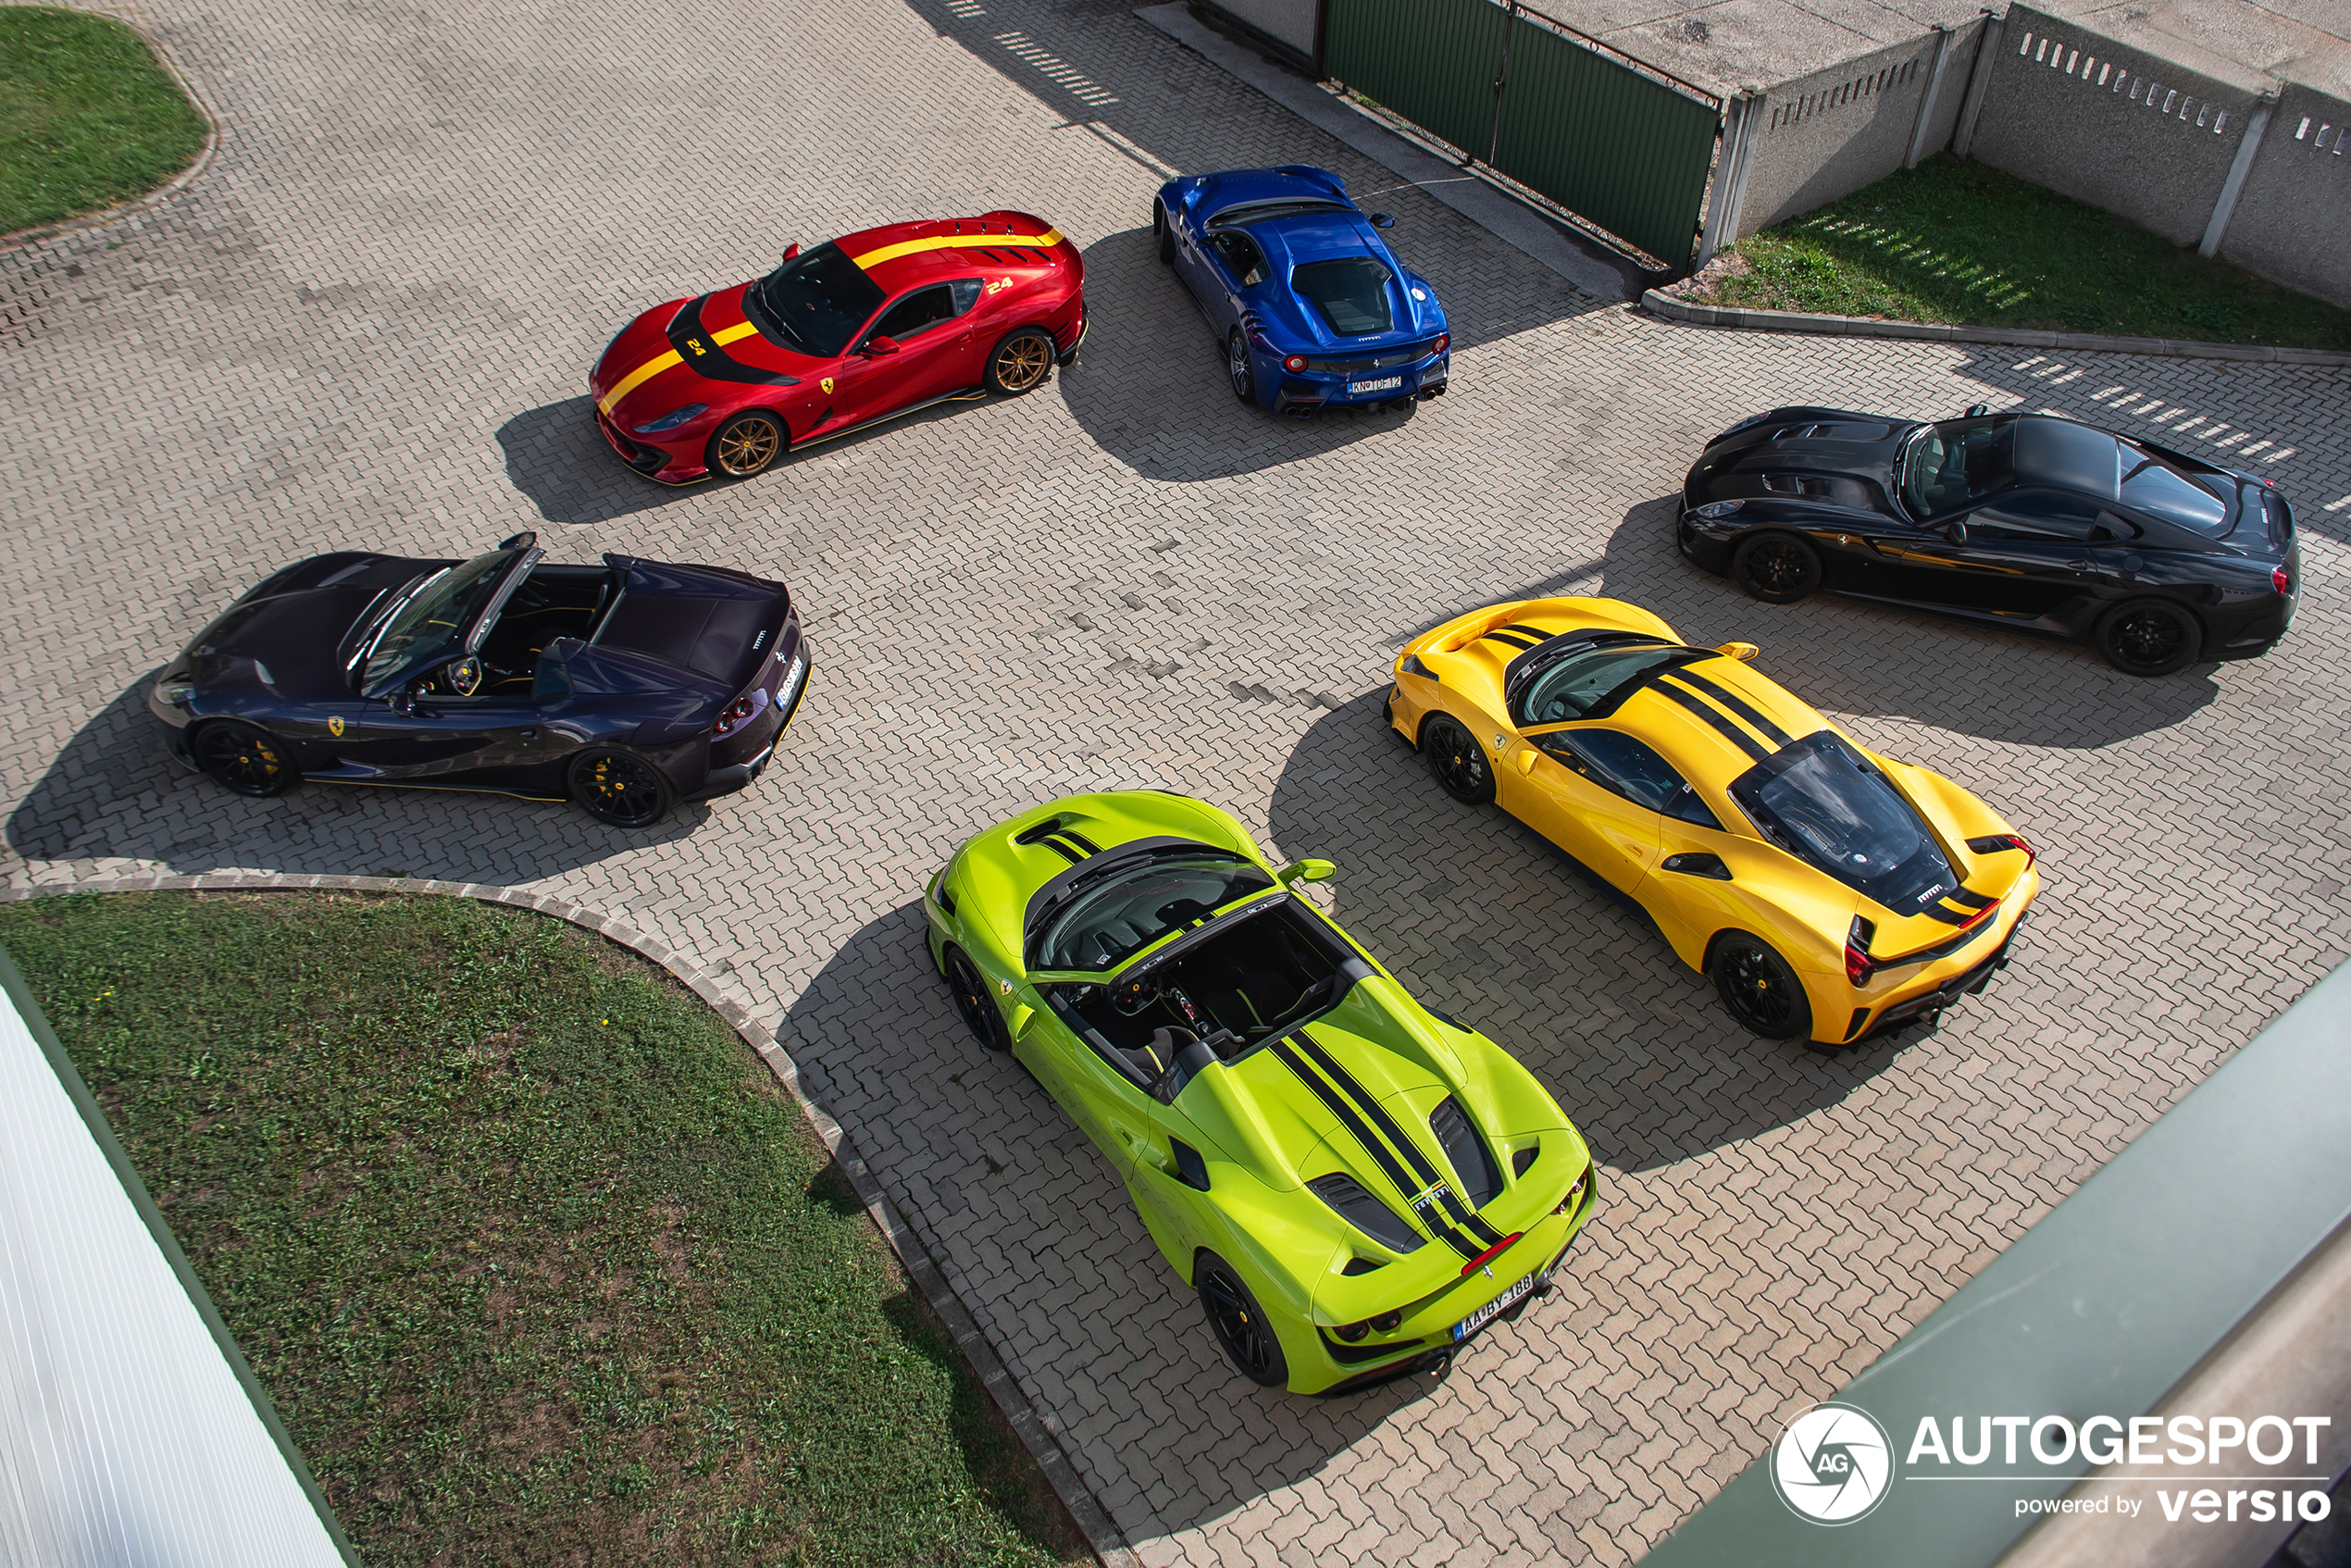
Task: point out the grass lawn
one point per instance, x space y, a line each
1957 242
537 1259
88 116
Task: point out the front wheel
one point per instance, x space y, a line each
1778 569
244 758
1240 1323
978 1009
1237 365
1020 362
1457 761
747 445
620 788
2150 636
1761 989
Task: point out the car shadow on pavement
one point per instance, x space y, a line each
1847 656
113 793
556 458
1042 1244
1482 919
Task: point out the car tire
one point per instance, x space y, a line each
620 787
1238 1323
1022 362
1164 232
1778 569
747 445
972 1000
1457 761
1760 989
244 759
2150 636
1237 368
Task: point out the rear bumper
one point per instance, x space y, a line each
1300 396
739 776
1968 983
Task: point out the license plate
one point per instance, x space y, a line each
1492 1310
1385 383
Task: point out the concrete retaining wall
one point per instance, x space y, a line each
2109 124
2293 219
1288 22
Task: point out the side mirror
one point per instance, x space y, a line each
1977 410
403 701
1526 756
1743 652
1023 1015
1306 871
1955 533
791 250
1382 220
879 343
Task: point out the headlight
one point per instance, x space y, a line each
672 419
176 692
1716 509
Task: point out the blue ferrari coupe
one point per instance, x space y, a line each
1311 306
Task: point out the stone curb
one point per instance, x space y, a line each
1690 314
26 238
1102 1535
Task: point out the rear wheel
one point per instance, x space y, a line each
244 758
2150 636
1457 761
1020 362
973 1001
747 445
1240 1323
620 788
1165 235
1237 365
1760 989
1778 569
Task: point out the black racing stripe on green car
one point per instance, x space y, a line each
1063 849
1737 704
1286 1051
1720 720
1072 845
1460 1213
1082 841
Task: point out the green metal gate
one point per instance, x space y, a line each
1626 148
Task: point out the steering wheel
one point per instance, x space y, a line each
464 676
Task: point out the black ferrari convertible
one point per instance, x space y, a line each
2043 524
627 687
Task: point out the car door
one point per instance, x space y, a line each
2022 554
1235 265
1103 1102
918 348
1582 787
435 737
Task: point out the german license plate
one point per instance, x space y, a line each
1385 383
1492 1310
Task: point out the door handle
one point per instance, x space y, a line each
2077 566
530 735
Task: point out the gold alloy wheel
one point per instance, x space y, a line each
748 445
1021 362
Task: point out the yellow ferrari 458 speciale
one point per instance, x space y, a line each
1827 891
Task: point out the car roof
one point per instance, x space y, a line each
2067 454
900 255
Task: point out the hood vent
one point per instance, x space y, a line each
1365 1213
1472 1161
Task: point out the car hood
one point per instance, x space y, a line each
704 349
719 623
291 634
1830 457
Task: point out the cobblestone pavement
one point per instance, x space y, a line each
369 324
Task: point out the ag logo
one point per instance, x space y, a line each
1833 1465
827 383
334 725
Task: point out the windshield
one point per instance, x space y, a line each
1352 294
1823 802
1258 212
433 616
1133 909
2155 486
816 302
1594 683
1956 464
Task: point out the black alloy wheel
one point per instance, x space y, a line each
1021 362
620 788
1166 233
1237 367
1760 989
973 1001
747 445
1238 1323
244 758
1457 761
1778 569
2150 636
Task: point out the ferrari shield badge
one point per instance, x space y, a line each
334 725
827 383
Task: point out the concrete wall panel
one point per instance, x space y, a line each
1828 134
1942 119
2293 219
2109 124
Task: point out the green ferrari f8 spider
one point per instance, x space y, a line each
1353 1184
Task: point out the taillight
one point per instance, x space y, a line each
1444 342
1351 1332
1295 364
2000 843
2280 580
1858 965
740 712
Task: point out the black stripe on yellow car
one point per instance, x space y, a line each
1713 715
1285 1051
1968 898
1737 704
1518 642
1535 633
1432 1184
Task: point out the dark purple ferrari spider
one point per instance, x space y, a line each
627 687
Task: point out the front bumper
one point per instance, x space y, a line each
1700 545
660 464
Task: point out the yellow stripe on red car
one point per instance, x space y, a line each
659 363
870 259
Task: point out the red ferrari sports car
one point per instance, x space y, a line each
865 328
